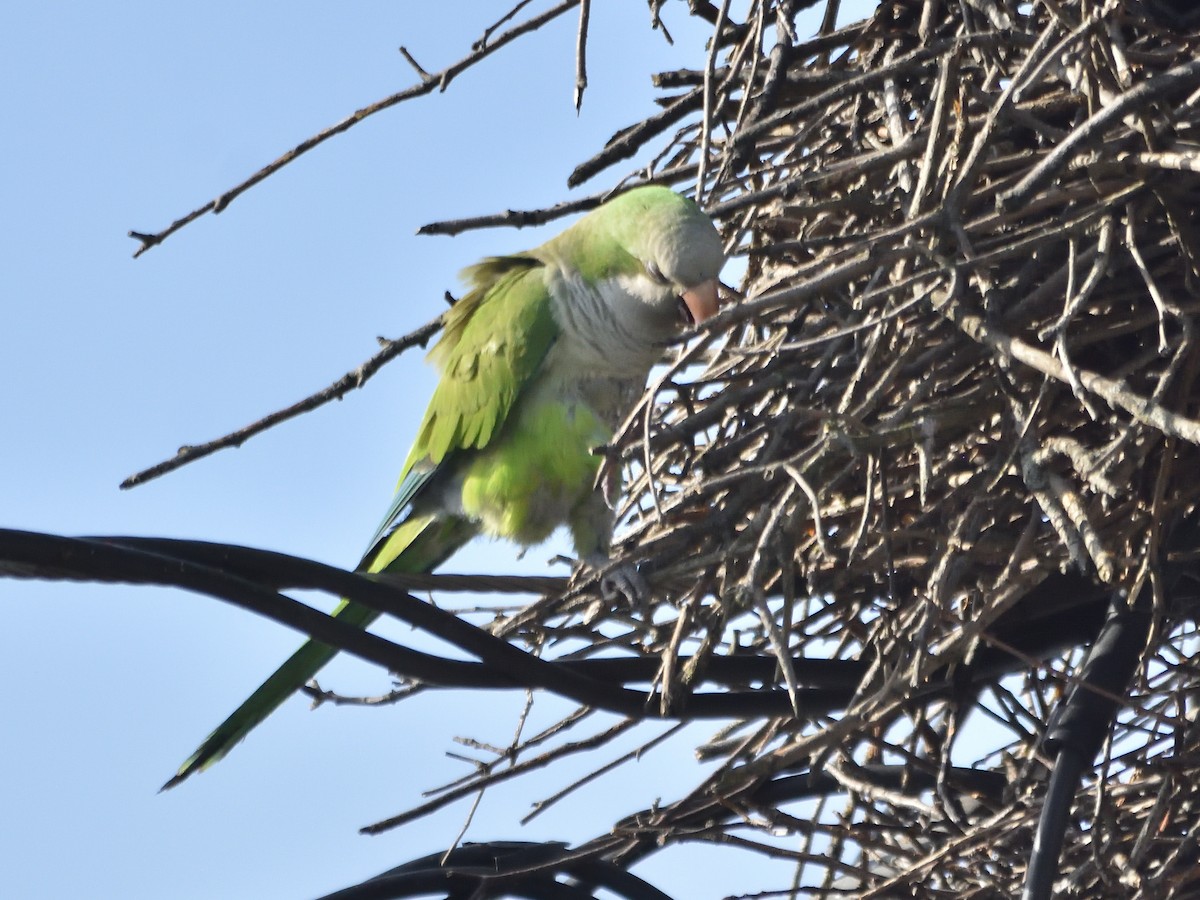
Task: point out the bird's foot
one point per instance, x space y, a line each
627 582
621 582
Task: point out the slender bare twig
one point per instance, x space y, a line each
348 382
581 39
439 81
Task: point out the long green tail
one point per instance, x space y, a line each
419 545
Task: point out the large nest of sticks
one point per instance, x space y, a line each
957 396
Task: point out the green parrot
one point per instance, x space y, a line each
539 361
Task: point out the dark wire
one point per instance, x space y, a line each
1079 726
1052 825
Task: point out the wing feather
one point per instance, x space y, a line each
494 340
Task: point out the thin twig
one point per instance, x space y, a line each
348 382
439 80
581 38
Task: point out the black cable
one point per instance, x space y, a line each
503 868
1079 726
1052 825
248 578
1059 613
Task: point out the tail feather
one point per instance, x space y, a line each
419 545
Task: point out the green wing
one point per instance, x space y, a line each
493 343
495 339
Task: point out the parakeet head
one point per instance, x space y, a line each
678 249
654 256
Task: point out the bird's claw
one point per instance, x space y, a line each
625 581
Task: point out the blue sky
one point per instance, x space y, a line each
128 116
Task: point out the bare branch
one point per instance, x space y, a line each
344 385
439 81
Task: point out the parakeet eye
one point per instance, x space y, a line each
685 314
655 273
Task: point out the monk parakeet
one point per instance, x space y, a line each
539 361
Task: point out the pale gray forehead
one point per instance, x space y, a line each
689 250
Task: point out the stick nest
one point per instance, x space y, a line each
964 363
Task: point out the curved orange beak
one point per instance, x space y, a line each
701 301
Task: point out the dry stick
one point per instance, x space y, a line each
1175 161
348 382
440 80
628 142
513 218
585 12
964 179
522 218
960 847
1142 409
846 89
635 754
707 105
511 754
860 165
538 762
935 148
1159 87
711 797
736 64
487 32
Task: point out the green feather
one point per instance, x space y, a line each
495 338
